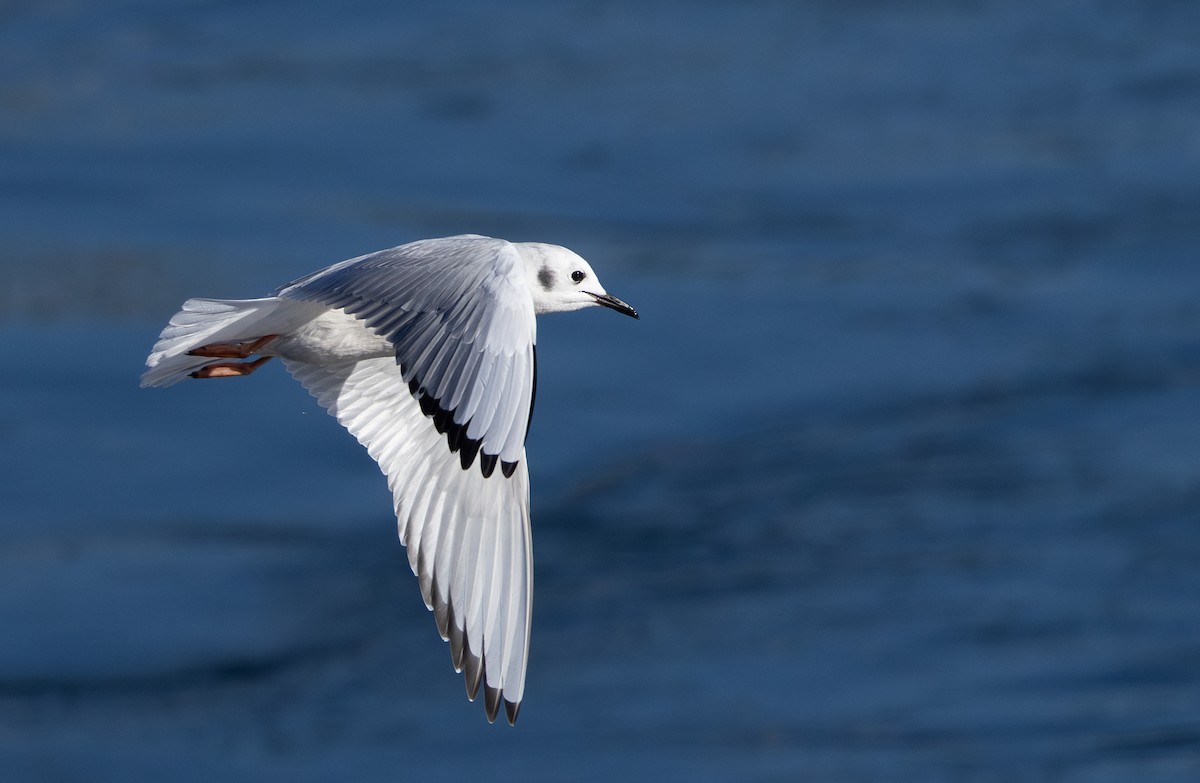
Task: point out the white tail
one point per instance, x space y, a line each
205 321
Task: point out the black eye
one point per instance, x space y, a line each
577 276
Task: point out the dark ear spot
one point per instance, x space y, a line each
546 277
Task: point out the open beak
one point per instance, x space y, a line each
613 303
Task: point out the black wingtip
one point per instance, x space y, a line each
441 609
442 419
508 468
491 702
472 671
457 640
487 463
468 451
511 710
455 435
428 405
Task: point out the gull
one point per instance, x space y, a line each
425 353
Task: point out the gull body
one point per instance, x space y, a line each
425 353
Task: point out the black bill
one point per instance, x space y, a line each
611 302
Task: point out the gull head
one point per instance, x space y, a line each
562 281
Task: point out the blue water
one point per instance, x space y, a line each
895 480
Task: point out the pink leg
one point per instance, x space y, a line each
234 350
230 369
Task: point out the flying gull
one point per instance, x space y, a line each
425 353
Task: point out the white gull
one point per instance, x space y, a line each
425 353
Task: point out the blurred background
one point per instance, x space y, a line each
897 478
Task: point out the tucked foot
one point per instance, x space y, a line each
234 350
230 369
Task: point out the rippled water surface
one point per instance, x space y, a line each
895 480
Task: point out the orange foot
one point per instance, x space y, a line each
230 369
234 350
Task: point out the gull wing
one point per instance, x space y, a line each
459 313
468 537
453 404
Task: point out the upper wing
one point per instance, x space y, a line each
468 536
461 318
